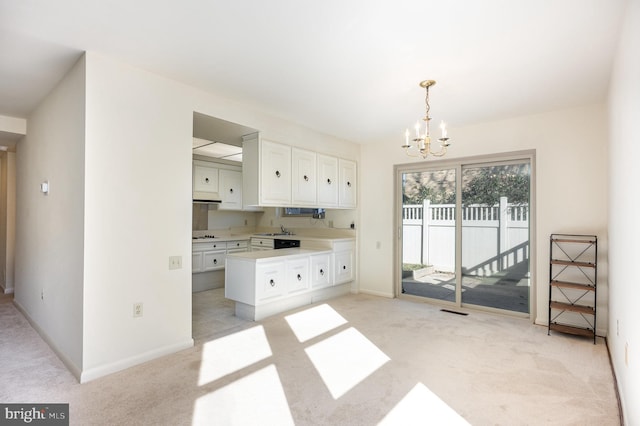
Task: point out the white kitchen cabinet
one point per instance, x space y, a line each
327 181
205 181
343 267
297 274
270 280
208 256
230 190
320 270
239 246
304 179
278 175
196 262
213 260
266 172
348 184
275 174
264 283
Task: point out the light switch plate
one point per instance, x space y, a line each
175 262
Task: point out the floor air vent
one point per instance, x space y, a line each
454 312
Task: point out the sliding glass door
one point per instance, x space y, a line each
464 232
429 233
495 235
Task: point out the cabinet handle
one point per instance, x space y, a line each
272 282
306 178
321 271
349 184
299 277
344 267
277 173
237 244
231 190
215 261
329 181
206 180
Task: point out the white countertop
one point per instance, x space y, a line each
243 237
262 255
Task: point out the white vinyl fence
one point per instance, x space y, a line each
493 237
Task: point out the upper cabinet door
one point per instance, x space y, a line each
348 184
205 179
304 183
230 190
275 174
327 181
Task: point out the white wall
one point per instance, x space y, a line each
137 214
7 220
49 229
120 205
624 204
571 189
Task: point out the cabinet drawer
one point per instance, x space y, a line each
233 245
214 260
261 243
209 246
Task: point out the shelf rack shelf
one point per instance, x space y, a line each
573 275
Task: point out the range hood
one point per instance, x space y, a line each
206 198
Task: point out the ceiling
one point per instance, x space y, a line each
345 68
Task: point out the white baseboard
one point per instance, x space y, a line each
377 293
71 366
104 370
84 376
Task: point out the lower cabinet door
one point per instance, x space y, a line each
196 262
213 260
270 279
343 267
297 274
320 272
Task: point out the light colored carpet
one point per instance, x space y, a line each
354 360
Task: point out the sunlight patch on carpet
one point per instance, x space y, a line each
232 353
421 406
345 359
256 399
313 322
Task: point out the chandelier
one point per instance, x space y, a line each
420 146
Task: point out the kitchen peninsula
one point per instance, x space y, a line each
267 282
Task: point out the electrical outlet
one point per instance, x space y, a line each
137 310
175 262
